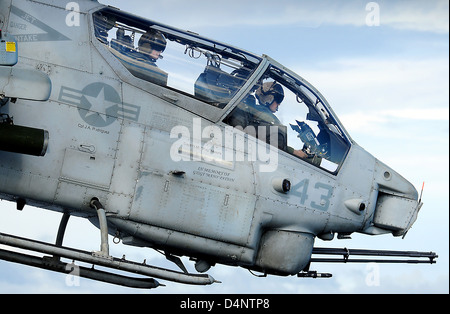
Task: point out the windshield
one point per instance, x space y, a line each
214 73
305 128
207 70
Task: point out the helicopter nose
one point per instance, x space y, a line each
397 204
390 180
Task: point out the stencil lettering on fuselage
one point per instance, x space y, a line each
33 29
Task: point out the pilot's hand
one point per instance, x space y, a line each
300 153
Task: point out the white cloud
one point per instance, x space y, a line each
376 121
416 88
417 15
430 114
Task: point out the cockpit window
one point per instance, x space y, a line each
209 71
304 127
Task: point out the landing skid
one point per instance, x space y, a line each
53 263
97 258
50 263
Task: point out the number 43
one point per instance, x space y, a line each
301 190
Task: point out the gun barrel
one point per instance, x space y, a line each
423 257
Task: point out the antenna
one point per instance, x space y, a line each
423 185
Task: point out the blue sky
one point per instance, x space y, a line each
389 86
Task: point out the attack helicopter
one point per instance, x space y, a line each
165 139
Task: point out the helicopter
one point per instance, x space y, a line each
168 140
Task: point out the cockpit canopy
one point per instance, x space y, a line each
261 95
180 60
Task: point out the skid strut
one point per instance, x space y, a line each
104 247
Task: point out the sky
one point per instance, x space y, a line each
383 66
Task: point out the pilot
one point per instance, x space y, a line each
152 44
270 96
